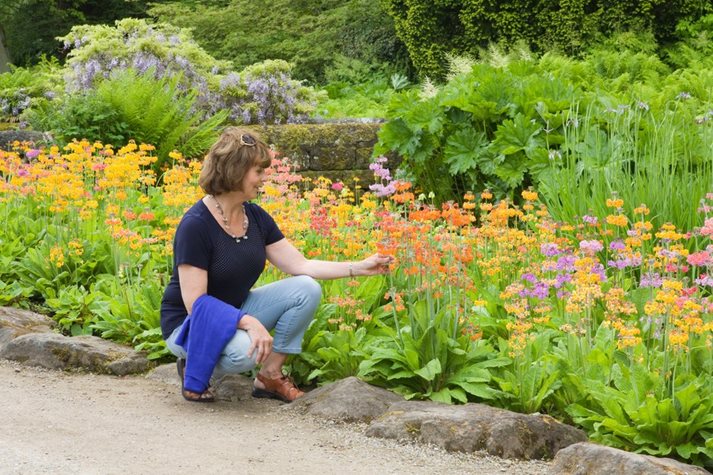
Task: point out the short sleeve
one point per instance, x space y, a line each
269 227
192 244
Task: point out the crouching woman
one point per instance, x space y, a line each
212 318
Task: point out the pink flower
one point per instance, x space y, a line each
707 228
700 259
591 247
338 186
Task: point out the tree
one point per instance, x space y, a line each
314 35
431 29
31 26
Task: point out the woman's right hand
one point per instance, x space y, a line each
260 338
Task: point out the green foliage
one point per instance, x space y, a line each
490 128
130 106
31 26
638 154
80 116
533 378
630 415
76 310
368 99
432 30
130 313
322 39
157 112
335 342
430 358
575 129
165 50
21 88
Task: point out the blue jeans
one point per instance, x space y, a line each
287 306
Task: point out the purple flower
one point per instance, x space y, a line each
566 263
381 190
593 220
32 153
529 277
550 249
540 290
651 280
599 270
617 245
562 279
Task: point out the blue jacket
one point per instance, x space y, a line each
204 334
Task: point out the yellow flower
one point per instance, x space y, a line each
617 220
529 195
57 256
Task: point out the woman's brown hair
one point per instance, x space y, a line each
229 159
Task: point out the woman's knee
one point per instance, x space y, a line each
235 357
309 288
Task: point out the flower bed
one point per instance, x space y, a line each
602 322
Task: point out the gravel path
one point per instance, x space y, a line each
57 422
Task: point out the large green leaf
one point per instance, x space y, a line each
465 149
430 371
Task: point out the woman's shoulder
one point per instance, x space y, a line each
257 210
197 214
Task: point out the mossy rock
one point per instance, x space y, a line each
12 135
322 146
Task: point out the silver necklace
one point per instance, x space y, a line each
226 224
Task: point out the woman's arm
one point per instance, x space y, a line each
291 261
194 283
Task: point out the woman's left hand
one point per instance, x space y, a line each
372 265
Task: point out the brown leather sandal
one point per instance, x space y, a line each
282 388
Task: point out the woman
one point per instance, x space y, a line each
220 249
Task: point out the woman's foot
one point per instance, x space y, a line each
205 396
279 387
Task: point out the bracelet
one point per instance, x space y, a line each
351 269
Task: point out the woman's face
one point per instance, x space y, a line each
253 181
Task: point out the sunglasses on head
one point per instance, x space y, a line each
247 140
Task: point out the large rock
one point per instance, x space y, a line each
591 459
165 373
55 351
15 322
232 387
347 400
476 427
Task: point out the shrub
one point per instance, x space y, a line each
430 30
22 87
265 93
128 106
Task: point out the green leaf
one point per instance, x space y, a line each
430 371
482 391
444 396
465 149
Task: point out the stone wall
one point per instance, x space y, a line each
339 151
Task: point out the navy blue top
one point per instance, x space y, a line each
233 267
